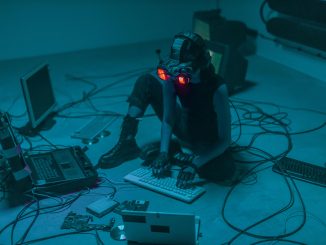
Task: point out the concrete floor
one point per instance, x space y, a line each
260 195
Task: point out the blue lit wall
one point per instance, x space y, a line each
37 27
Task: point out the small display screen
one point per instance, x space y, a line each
216 60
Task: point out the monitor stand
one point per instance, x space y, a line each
29 131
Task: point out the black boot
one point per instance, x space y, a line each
126 149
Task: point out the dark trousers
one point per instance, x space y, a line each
148 91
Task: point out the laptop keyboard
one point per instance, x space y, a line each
167 185
43 167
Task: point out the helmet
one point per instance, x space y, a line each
190 47
188 53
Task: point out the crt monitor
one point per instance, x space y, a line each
219 56
229 64
202 28
39 97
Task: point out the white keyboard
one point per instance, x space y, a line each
167 185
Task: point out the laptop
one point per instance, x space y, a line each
61 170
145 227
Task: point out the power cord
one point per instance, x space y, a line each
256 117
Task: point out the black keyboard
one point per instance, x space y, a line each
44 168
301 170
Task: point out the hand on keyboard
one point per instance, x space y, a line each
186 177
161 165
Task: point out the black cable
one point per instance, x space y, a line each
263 119
309 130
29 142
22 239
98 238
83 80
248 116
17 220
45 139
240 126
118 74
280 237
120 80
59 235
85 94
112 186
261 12
279 240
4 179
91 114
236 99
93 91
21 242
30 213
17 116
245 231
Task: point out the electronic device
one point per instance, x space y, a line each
161 228
188 53
61 170
182 74
167 186
80 223
94 129
228 64
12 151
212 26
306 33
301 170
133 205
76 221
220 54
118 233
102 207
227 42
301 9
39 98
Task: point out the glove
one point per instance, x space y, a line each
182 159
161 165
186 176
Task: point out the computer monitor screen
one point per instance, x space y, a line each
229 64
219 56
38 94
216 60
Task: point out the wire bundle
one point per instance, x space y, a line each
250 115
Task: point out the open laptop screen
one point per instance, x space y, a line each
160 228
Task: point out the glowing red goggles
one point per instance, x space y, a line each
181 78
